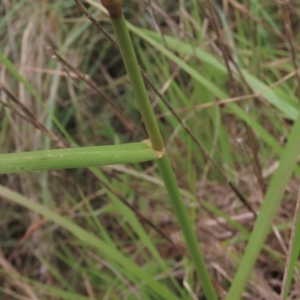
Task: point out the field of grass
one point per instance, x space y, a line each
223 78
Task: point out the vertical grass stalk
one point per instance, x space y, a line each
114 8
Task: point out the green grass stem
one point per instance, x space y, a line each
76 157
186 226
144 105
137 82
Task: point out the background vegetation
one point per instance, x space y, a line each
228 69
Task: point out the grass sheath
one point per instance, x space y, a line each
76 157
144 105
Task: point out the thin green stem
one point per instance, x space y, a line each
186 226
137 82
133 70
76 157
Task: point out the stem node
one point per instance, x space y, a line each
114 8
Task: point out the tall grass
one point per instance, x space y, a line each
110 233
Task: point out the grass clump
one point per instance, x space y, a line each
223 84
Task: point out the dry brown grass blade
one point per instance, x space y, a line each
241 8
30 230
12 277
199 107
255 159
227 57
231 63
29 117
165 101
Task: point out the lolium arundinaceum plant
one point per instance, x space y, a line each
146 275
